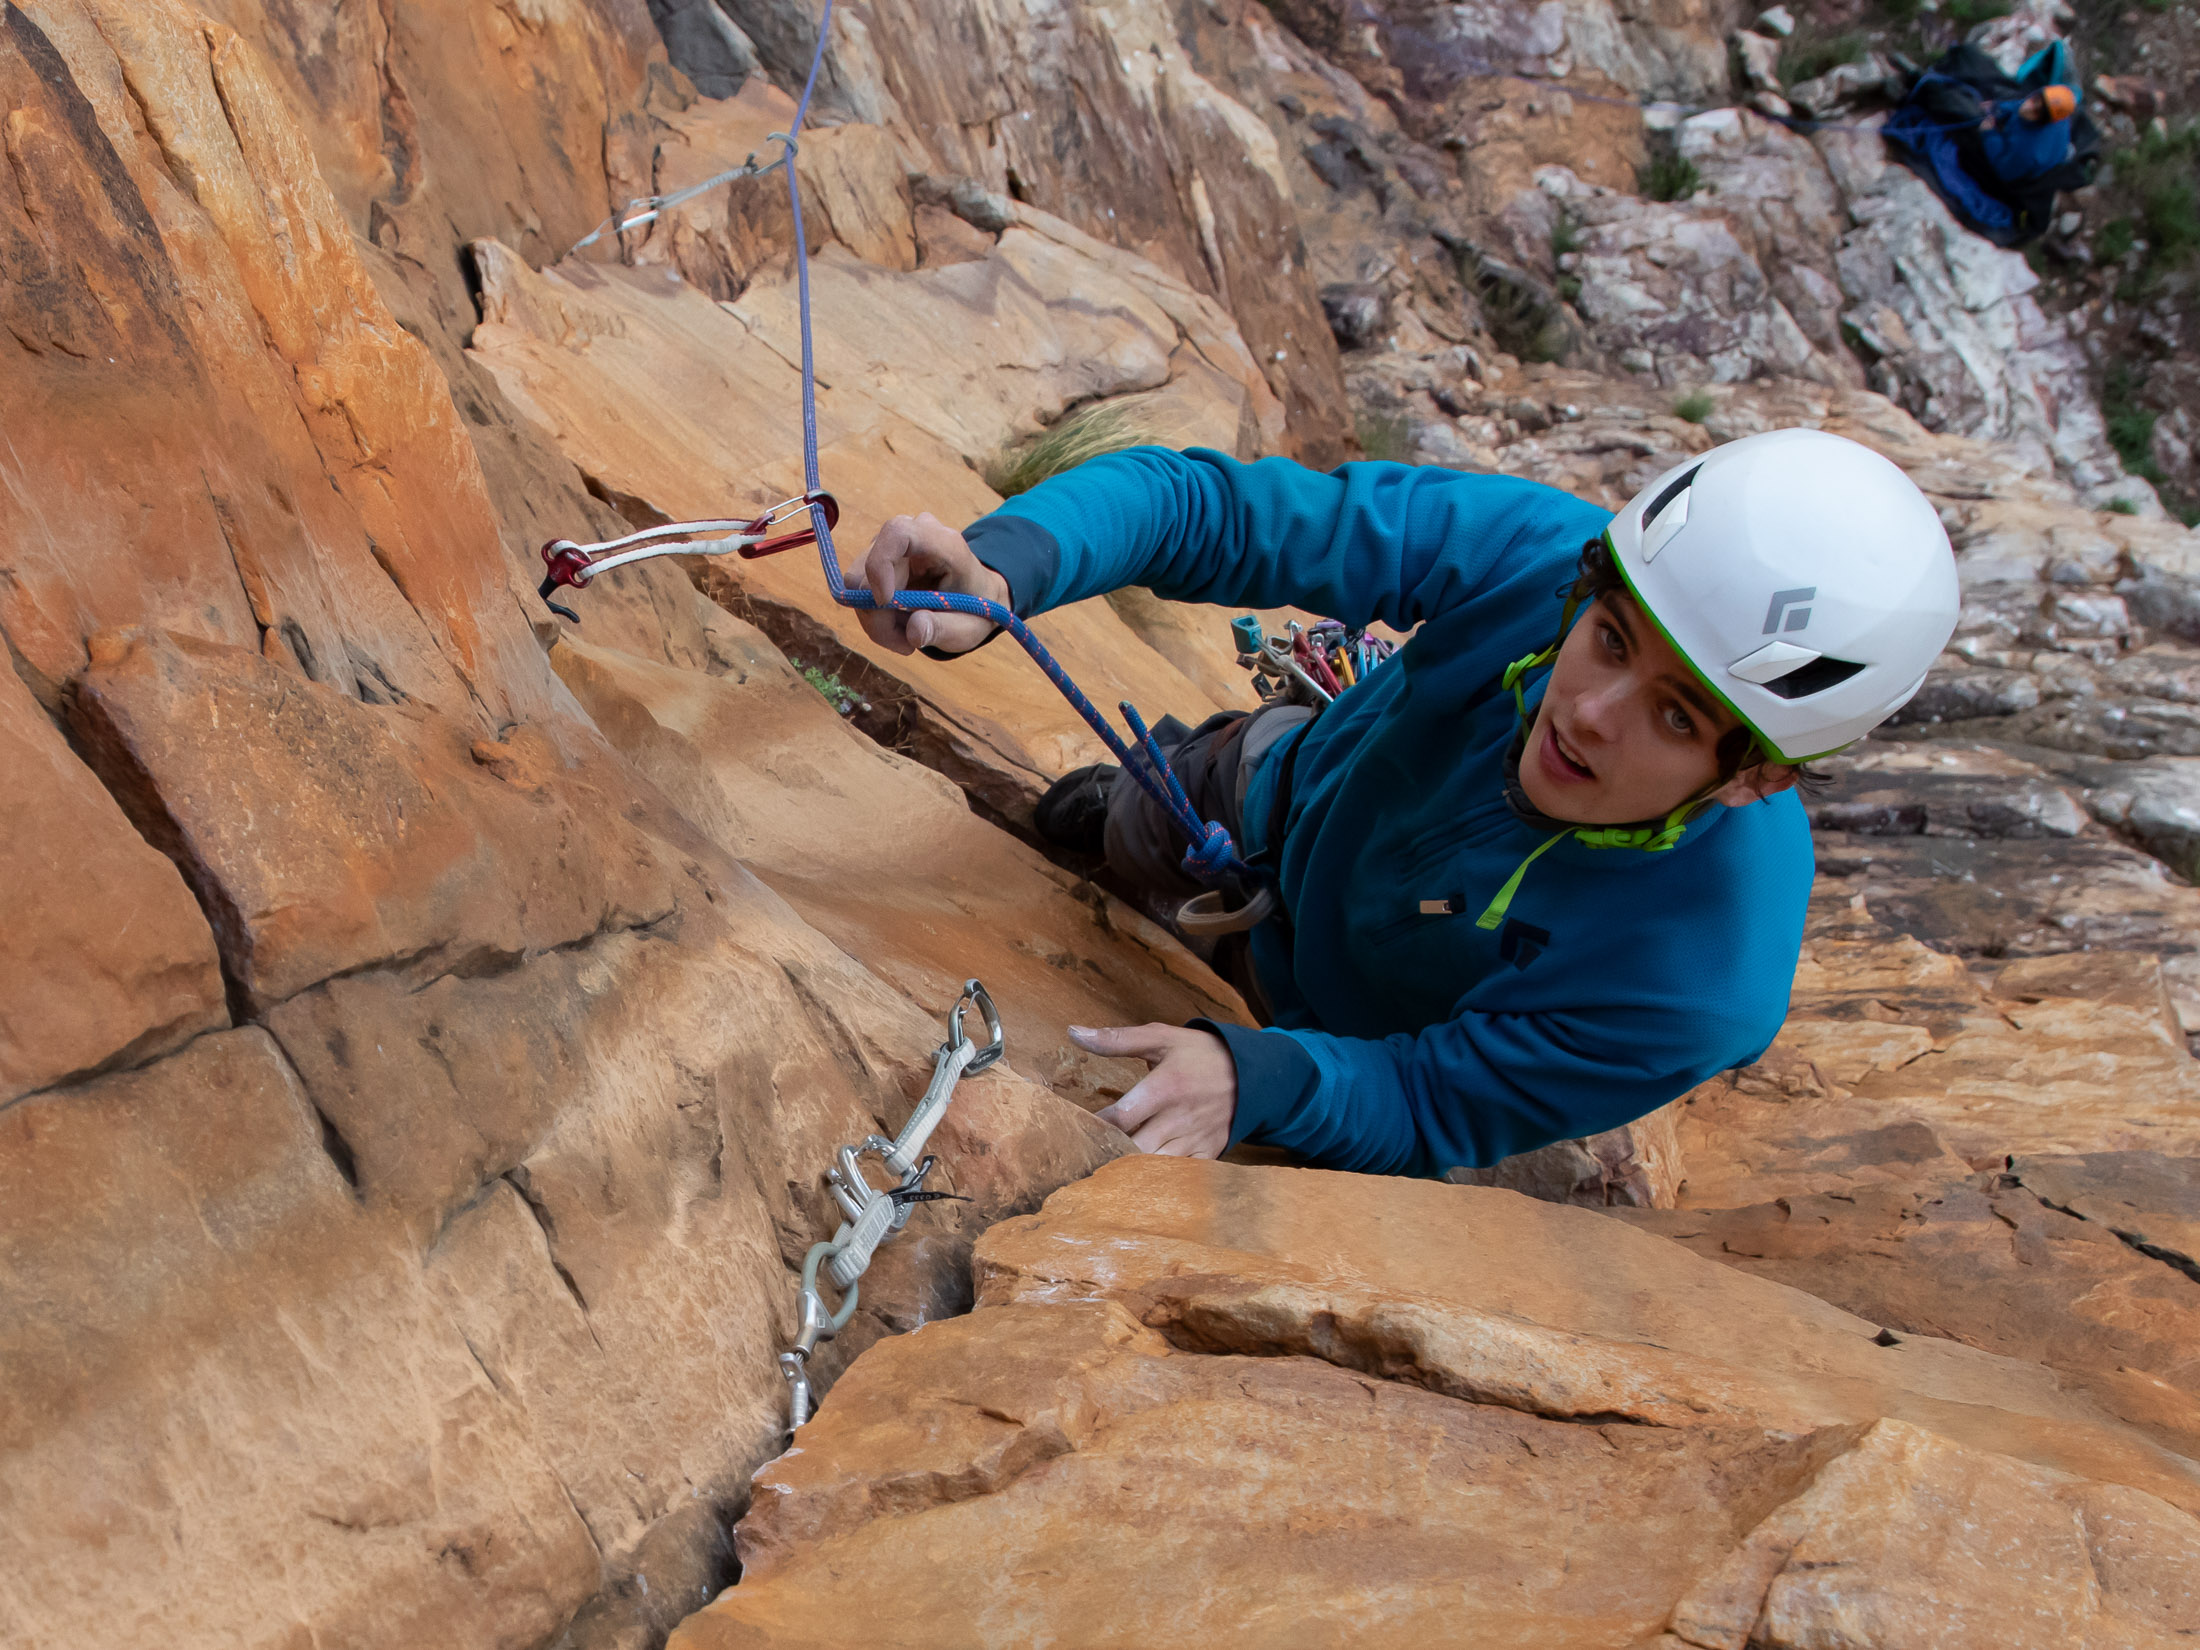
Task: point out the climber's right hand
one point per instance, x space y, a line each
924 553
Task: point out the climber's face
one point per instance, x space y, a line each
1626 732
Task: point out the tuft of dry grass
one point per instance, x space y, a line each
1089 432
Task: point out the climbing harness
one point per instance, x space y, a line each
1306 667
875 1214
575 564
1212 856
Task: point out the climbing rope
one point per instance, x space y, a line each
875 1214
1212 856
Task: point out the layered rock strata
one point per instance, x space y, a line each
1498 1425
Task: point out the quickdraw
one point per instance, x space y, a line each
647 208
875 1214
575 564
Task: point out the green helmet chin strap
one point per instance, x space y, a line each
1651 839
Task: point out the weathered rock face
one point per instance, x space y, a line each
395 839
1949 316
925 892
1894 1059
1098 116
400 1074
661 396
74 994
1995 1261
1437 1371
268 462
422 1024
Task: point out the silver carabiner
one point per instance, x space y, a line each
974 994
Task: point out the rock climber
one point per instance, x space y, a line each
2025 139
1544 870
1996 147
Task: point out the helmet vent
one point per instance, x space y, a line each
1815 677
1667 515
1658 504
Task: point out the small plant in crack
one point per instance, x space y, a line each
838 694
1670 176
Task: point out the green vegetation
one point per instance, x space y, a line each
2159 175
1669 177
1969 14
2155 192
2130 425
2116 239
838 694
1080 435
1387 437
1520 312
2131 433
1807 58
2121 507
1565 238
1695 406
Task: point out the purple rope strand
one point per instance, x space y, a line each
1212 854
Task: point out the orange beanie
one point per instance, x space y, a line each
2061 102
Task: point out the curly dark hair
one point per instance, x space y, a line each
1597 576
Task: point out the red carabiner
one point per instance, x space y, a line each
782 512
1310 659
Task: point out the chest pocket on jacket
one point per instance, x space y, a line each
1520 943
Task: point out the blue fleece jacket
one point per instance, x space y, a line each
2020 150
1406 1042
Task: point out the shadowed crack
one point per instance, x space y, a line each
1390 1352
521 1182
2173 1259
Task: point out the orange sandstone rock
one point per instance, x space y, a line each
1202 1404
108 959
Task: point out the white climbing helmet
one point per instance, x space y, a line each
1804 577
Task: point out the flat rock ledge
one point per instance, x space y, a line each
1206 1404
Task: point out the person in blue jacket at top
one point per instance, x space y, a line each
1541 872
2028 137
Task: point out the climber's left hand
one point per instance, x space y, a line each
1183 1106
924 553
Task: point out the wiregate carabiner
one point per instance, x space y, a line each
786 510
